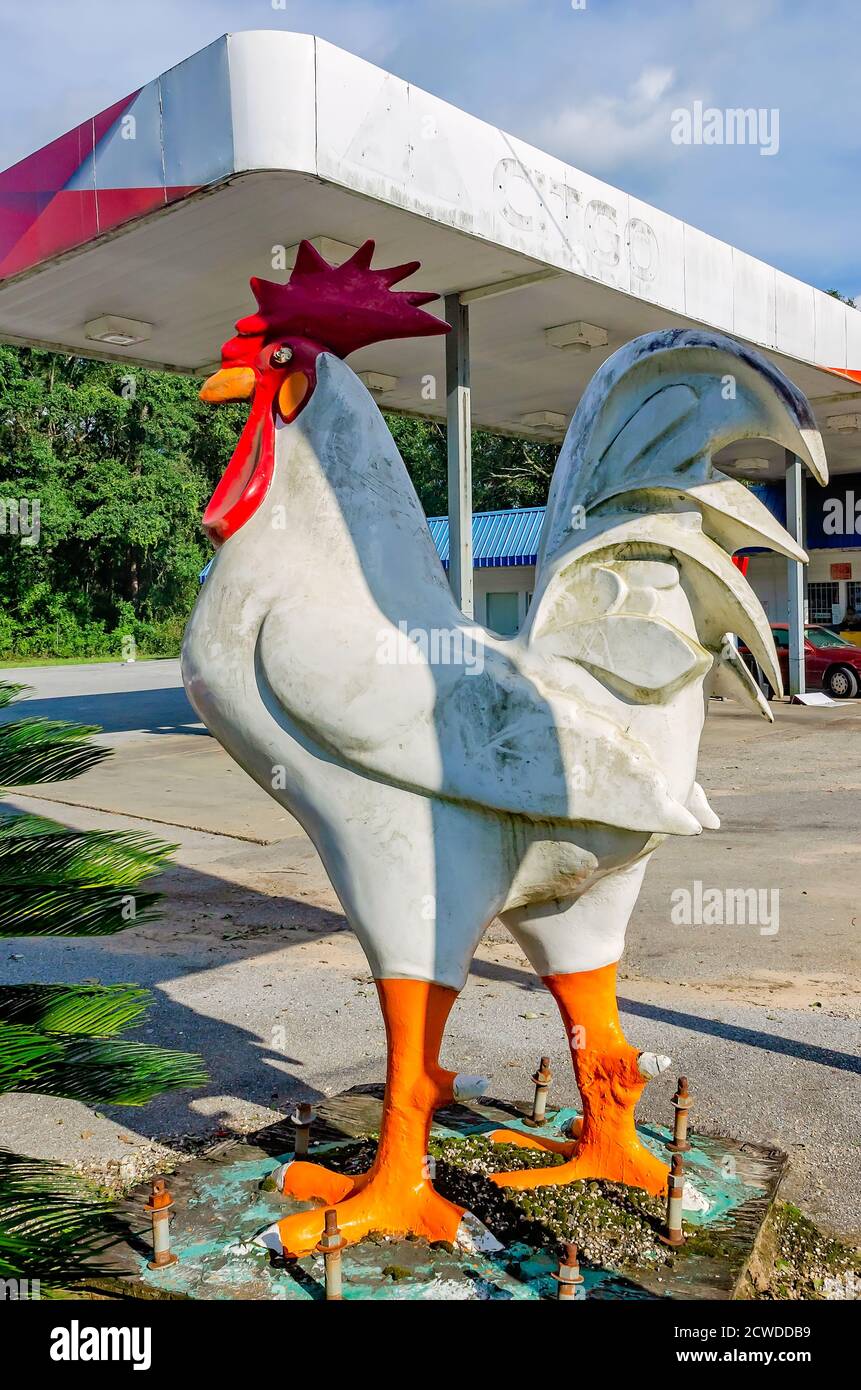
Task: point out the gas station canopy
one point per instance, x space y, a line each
133 238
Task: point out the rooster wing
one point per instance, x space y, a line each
538 725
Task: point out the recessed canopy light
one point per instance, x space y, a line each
378 382
576 337
544 420
843 424
116 331
756 465
335 252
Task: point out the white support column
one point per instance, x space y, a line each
795 573
459 436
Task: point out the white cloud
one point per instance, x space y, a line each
652 83
600 133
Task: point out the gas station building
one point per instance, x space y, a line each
505 551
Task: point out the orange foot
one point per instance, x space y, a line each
610 1076
634 1166
608 1145
396 1196
374 1206
520 1140
309 1182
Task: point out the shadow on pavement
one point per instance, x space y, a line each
752 1037
241 1064
161 711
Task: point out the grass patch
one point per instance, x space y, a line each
22 662
809 1264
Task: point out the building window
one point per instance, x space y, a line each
503 613
820 598
853 597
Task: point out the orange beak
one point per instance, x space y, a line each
229 384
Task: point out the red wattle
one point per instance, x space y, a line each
248 475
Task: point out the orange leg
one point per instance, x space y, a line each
396 1195
610 1084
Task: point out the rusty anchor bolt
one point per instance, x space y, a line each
302 1120
542 1078
675 1194
682 1101
568 1277
330 1245
160 1204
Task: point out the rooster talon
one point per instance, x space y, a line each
274 1181
466 1087
269 1239
529 1141
474 1238
652 1064
309 1182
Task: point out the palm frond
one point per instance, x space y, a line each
60 882
46 750
52 1226
91 858
60 1040
74 911
93 1010
105 1071
26 823
9 691
25 1055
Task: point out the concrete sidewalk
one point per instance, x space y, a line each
252 966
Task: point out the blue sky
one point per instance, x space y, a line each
596 86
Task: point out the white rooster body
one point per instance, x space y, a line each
403 774
447 775
441 793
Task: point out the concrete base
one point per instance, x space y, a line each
220 1204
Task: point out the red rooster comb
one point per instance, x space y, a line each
343 307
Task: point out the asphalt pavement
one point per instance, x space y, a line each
251 963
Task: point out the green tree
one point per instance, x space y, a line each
122 461
844 298
505 472
62 1039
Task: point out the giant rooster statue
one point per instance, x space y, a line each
529 777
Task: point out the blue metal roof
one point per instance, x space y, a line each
511 537
498 538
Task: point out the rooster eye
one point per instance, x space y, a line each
282 355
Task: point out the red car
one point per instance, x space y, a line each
830 663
